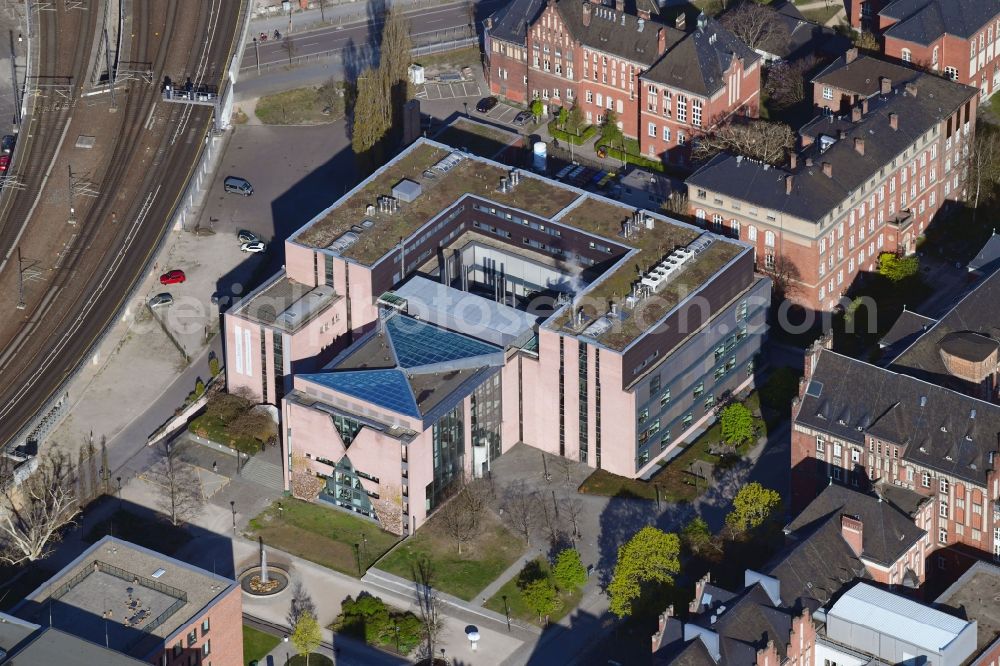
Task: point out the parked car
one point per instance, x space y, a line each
487 104
4 163
175 276
161 300
7 144
238 185
522 118
254 247
247 236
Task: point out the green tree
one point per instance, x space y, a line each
394 66
651 556
574 120
737 424
213 365
568 571
371 121
696 535
897 268
536 108
779 389
562 117
611 134
540 596
865 41
752 505
199 388
306 635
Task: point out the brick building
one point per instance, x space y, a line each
865 426
666 83
957 39
867 176
136 603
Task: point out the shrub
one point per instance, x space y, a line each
370 619
568 571
213 366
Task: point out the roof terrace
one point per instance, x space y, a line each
440 189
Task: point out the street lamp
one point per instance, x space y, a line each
256 49
506 611
396 627
119 479
288 656
232 505
466 109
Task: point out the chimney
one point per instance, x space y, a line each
853 532
809 161
586 13
680 22
620 6
488 22
841 134
643 14
793 161
859 145
911 89
789 179
864 107
851 56
885 85
894 120
827 169
855 114
661 40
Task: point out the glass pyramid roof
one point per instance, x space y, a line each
387 388
418 343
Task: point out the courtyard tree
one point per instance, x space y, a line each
568 572
306 635
761 140
541 597
33 513
697 537
462 516
536 108
737 424
562 118
519 508
752 505
897 268
984 164
756 25
786 82
611 133
652 556
178 485
301 603
574 119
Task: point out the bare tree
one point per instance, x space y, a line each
105 467
33 513
428 604
462 516
984 164
255 423
786 82
572 509
757 139
289 47
519 508
757 26
784 275
180 494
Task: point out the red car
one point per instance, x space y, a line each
4 163
172 277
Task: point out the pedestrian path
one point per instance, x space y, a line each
510 572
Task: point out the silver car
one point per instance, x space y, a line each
161 300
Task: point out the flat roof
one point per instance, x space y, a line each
897 616
284 303
362 227
463 312
975 595
132 592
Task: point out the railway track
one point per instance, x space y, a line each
115 238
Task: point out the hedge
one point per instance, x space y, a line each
588 132
638 160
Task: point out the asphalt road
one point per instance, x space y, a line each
74 313
359 35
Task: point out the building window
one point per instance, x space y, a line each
943 509
942 538
906 55
752 233
769 239
681 139
827 92
204 627
686 421
951 73
769 260
681 108
206 649
192 637
651 129
696 112
666 134
925 480
944 486
699 389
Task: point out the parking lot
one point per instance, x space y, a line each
452 90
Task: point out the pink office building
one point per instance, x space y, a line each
448 308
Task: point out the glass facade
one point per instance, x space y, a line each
263 367
344 489
279 366
448 451
487 414
597 407
347 427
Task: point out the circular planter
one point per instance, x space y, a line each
277 581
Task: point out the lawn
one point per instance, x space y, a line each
302 106
823 14
257 644
481 561
519 609
155 534
321 534
469 57
211 427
